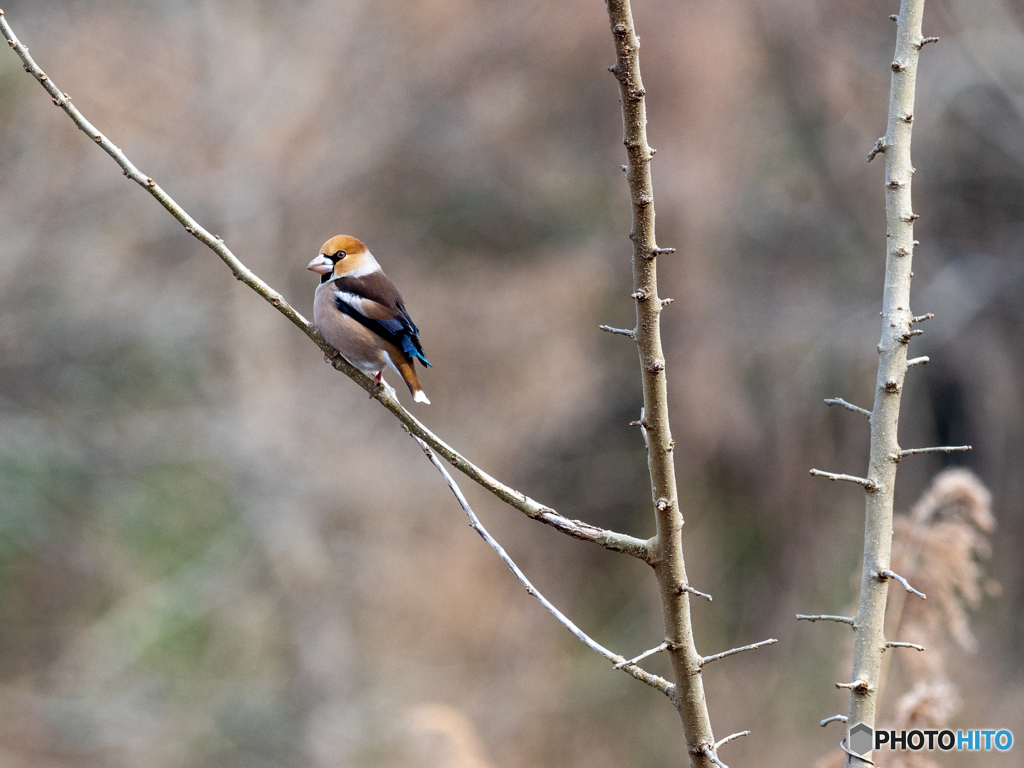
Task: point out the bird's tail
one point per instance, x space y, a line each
412 347
408 372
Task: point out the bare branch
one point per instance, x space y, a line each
619 663
617 331
826 617
842 746
939 449
666 547
734 651
729 738
642 423
921 318
867 484
861 686
918 361
709 753
878 149
642 656
887 574
924 41
894 644
869 640
833 719
385 396
687 588
848 406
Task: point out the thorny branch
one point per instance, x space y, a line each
617 542
666 547
897 319
664 551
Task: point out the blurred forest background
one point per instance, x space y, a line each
214 551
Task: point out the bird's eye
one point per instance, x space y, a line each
340 255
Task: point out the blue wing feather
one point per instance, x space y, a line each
399 330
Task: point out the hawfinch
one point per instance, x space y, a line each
361 314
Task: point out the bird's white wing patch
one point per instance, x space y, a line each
358 303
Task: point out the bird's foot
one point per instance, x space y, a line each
378 383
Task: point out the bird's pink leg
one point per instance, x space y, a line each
377 381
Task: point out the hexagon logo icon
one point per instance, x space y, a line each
861 738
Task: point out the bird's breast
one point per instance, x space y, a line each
357 344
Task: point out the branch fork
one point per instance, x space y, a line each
618 661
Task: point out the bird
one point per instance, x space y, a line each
361 314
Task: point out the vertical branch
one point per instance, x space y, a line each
892 367
667 543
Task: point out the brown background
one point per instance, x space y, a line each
214 551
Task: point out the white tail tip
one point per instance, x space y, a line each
421 397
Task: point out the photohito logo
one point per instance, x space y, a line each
863 739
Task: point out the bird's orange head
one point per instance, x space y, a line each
343 255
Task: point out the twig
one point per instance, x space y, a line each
617 331
608 539
939 449
887 574
618 661
709 753
859 685
687 588
729 738
842 746
867 484
877 149
924 359
922 318
642 656
733 651
826 617
894 644
849 406
833 719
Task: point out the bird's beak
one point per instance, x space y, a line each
321 265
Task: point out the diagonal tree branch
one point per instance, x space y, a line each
617 542
618 662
